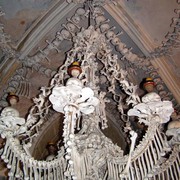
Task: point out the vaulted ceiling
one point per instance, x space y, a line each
33 44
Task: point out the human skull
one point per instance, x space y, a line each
9 111
124 51
74 82
59 36
104 27
11 89
65 34
120 46
115 41
76 19
71 27
163 93
160 87
80 11
110 34
151 97
100 19
98 10
87 33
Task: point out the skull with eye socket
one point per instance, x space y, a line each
80 11
71 27
65 34
104 27
110 34
76 19
87 34
115 41
100 19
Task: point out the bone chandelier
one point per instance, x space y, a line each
88 154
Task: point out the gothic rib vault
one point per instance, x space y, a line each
40 51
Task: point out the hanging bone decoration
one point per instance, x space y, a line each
172 38
86 152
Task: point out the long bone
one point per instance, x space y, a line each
18 170
5 151
51 45
125 172
13 165
9 164
6 154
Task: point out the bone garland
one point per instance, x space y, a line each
112 60
37 113
161 167
101 22
68 139
69 29
142 63
111 66
172 38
